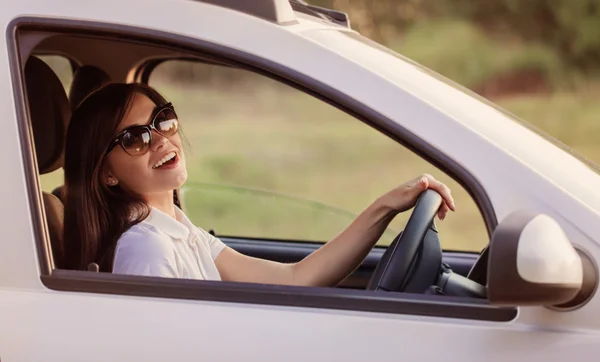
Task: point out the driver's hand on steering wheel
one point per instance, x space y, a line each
405 196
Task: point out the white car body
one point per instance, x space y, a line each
517 168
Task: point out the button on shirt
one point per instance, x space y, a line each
162 246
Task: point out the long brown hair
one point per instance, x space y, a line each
96 215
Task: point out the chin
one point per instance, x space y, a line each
166 181
180 179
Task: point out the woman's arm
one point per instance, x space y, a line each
335 260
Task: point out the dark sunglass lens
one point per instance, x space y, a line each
136 141
166 122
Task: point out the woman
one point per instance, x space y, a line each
124 158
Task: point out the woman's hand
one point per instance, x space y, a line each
405 196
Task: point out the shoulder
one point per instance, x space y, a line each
144 240
214 244
143 250
206 236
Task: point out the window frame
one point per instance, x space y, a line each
309 297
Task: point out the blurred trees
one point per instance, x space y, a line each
570 27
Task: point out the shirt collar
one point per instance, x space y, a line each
168 225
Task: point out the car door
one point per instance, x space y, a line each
65 315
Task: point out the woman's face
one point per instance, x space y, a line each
139 174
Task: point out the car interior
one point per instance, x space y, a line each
94 63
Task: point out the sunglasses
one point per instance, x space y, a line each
136 140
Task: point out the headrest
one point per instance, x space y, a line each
86 80
50 113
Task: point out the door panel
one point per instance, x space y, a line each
62 326
288 252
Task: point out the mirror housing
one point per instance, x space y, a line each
532 262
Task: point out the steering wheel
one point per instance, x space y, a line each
413 261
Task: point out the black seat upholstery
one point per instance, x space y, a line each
86 79
50 113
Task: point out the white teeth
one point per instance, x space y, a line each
166 158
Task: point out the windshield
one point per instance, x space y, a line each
509 116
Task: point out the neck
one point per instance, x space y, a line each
163 202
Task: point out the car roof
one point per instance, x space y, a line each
281 11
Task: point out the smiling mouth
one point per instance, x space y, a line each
168 159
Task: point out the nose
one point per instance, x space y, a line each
158 141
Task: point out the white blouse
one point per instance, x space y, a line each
161 246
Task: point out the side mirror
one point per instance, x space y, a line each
532 262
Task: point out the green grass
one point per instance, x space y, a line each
571 117
461 51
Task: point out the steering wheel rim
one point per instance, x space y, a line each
403 251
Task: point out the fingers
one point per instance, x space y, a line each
444 191
443 211
423 183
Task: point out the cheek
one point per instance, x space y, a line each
176 141
129 170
